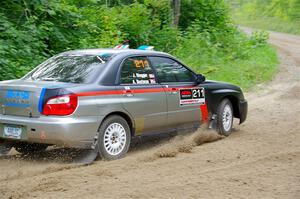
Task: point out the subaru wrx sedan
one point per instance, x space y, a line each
101 98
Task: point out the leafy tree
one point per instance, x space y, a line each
176 11
33 30
211 14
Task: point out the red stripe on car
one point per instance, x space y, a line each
95 93
134 91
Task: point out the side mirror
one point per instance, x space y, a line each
200 78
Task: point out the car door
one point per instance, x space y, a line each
143 97
184 96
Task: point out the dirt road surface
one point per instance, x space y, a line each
261 159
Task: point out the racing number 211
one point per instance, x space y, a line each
198 93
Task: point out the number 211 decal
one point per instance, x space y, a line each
192 96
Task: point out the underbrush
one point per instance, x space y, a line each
261 65
205 38
233 57
270 23
275 15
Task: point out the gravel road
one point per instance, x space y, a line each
261 159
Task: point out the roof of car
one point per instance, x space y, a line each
101 51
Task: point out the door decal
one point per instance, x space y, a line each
192 96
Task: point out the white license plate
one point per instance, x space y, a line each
12 132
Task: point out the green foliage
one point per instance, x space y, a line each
261 65
206 39
259 38
147 23
32 31
209 14
278 15
232 57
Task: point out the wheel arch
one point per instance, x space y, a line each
218 96
235 104
128 119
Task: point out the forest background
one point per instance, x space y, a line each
202 33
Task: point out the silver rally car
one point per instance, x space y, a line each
100 99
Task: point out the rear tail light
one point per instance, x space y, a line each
61 105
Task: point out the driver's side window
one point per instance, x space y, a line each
169 70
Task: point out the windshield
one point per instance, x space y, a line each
69 68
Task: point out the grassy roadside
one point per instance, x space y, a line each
260 66
269 23
206 38
274 15
247 63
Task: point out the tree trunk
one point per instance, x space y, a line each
176 12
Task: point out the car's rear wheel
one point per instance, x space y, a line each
28 148
225 118
114 138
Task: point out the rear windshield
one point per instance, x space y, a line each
69 68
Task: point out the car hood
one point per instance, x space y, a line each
220 85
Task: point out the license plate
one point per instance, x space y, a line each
12 132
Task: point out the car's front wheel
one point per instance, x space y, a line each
225 118
28 148
114 138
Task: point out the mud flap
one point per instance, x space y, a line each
213 122
4 149
88 156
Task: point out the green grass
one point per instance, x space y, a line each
260 66
269 23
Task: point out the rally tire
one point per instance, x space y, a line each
114 138
225 118
30 148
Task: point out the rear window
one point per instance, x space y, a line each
71 69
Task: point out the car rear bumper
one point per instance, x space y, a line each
75 132
243 108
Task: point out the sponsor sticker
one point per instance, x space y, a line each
192 96
16 98
143 78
